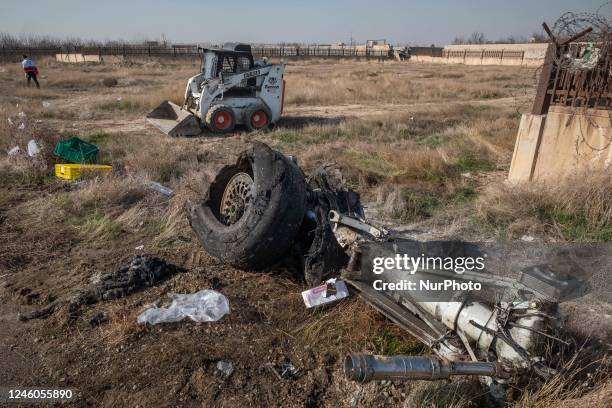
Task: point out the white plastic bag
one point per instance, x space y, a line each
203 306
33 148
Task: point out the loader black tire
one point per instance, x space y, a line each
220 119
266 230
258 118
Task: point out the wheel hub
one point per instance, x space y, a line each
259 119
236 197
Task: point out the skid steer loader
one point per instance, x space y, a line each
232 89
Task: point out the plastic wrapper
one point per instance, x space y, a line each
203 306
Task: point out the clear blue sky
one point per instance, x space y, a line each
419 22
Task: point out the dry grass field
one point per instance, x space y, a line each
427 146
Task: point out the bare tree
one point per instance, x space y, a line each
474 38
477 38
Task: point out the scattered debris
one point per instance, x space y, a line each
288 370
46 104
33 148
119 99
161 188
14 151
73 171
10 122
226 367
99 318
21 126
331 291
75 150
203 306
139 247
466 174
21 114
141 272
527 238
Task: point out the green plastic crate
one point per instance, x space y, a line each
76 150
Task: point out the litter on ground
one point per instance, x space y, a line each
141 272
161 188
331 291
203 306
14 151
226 367
72 171
33 148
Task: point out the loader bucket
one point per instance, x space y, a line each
174 121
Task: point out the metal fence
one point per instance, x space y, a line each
127 51
499 54
571 77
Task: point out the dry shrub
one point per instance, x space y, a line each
575 208
580 380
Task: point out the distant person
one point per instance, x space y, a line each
29 67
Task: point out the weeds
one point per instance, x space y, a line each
577 209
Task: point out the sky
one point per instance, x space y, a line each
273 21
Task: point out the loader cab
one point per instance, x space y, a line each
230 59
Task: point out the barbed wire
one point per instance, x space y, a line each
587 59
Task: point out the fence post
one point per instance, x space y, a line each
149 50
541 101
501 57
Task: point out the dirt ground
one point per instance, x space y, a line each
57 234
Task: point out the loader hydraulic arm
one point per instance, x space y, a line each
233 80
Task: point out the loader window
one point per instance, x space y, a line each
243 64
227 65
234 64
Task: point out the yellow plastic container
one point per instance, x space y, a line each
73 171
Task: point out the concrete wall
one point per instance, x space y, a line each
562 142
74 57
464 54
77 57
532 51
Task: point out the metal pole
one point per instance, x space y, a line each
366 367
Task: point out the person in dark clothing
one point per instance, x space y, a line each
30 70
